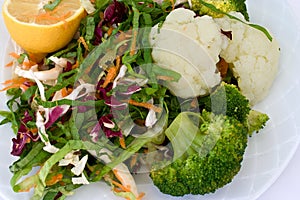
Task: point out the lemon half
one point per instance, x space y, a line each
40 31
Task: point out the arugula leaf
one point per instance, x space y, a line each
51 104
69 48
63 80
51 5
22 57
20 164
256 26
38 181
100 4
28 93
90 28
134 146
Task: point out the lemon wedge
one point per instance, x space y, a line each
39 30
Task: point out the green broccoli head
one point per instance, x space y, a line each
226 99
206 155
223 5
256 121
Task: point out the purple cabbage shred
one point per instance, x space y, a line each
23 136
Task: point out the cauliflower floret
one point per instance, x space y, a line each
190 46
254 56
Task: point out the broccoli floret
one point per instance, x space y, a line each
256 121
226 99
223 5
206 155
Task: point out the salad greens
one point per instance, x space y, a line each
108 109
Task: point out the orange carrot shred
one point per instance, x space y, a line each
24 87
117 190
28 64
14 86
70 90
144 105
75 65
173 4
112 73
83 42
122 187
15 83
133 160
194 103
165 78
34 130
49 15
110 30
54 179
10 64
64 92
117 175
133 43
122 142
14 55
141 195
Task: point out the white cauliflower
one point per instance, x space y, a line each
254 56
190 46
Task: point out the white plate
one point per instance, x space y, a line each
268 153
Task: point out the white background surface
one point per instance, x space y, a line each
287 186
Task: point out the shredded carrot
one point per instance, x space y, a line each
133 160
110 30
64 92
54 179
82 41
28 140
70 90
122 142
117 190
165 78
133 43
28 64
24 87
117 175
101 15
33 130
122 187
173 4
10 64
14 55
50 16
141 195
122 36
16 80
28 189
194 103
144 105
112 73
76 65
15 83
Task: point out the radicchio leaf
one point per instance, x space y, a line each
23 135
103 125
115 12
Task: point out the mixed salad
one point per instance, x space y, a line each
130 95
